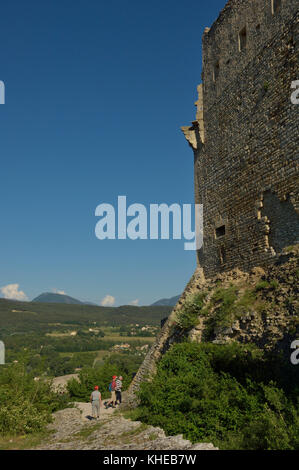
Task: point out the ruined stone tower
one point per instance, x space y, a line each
245 144
245 136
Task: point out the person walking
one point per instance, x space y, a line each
112 387
118 387
96 402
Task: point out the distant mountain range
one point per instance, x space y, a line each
50 297
166 302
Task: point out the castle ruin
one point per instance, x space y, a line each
245 144
245 136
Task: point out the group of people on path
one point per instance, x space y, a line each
115 387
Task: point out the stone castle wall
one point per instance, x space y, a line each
246 146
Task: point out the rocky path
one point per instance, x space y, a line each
73 429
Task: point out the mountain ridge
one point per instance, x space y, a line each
167 302
51 297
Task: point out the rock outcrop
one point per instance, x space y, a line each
73 431
263 311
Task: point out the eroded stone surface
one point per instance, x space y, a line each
270 326
111 432
246 165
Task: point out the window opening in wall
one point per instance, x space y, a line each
242 39
276 4
255 248
220 231
216 71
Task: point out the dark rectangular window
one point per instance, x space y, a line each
242 39
220 231
216 71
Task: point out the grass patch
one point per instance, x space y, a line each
24 442
130 414
224 299
188 317
126 436
274 284
289 248
85 432
262 285
244 304
265 285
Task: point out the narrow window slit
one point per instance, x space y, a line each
216 71
242 39
276 5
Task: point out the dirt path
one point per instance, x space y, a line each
86 412
74 429
60 383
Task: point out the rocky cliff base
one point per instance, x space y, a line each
259 307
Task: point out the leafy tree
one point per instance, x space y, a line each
116 364
26 404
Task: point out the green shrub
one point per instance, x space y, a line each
187 318
223 301
262 285
26 404
245 303
21 417
274 284
117 364
220 394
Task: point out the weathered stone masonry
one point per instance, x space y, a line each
245 144
246 162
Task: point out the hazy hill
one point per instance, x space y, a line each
50 297
167 302
34 316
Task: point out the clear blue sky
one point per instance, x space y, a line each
96 93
